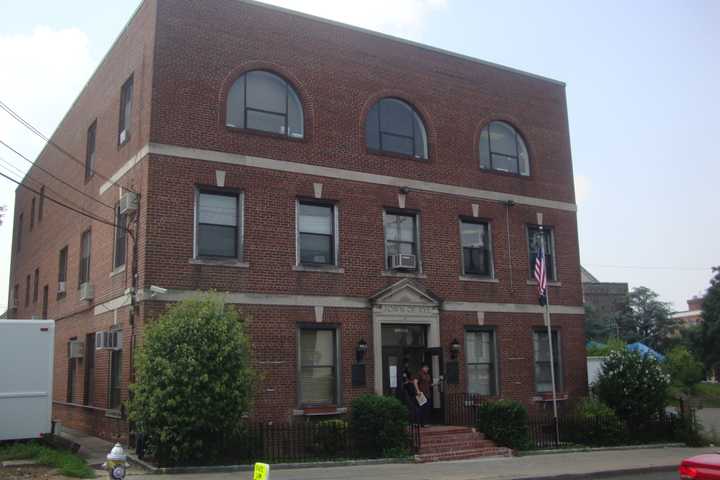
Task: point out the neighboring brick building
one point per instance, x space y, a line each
344 187
608 300
693 315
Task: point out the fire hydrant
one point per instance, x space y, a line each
116 463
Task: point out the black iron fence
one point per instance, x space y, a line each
299 442
463 409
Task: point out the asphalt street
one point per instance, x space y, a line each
646 476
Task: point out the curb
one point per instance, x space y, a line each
530 453
606 473
275 466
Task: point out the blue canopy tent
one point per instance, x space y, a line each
643 349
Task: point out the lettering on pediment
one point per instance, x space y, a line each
405 309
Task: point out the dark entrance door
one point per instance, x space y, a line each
403 350
433 357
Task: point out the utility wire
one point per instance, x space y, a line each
76 210
646 267
37 132
55 177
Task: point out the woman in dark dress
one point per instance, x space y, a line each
424 383
410 391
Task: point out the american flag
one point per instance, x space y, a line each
541 274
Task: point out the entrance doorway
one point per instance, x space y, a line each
404 349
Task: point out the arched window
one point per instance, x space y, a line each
261 100
503 149
394 126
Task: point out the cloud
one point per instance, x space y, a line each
43 71
582 188
403 18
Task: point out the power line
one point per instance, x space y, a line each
647 267
76 210
49 141
55 177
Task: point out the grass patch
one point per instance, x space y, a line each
708 394
67 463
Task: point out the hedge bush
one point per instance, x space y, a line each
506 423
194 382
634 386
378 424
597 424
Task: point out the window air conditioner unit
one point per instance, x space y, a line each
128 203
123 136
76 349
87 292
108 339
403 262
61 287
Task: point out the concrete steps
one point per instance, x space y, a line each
455 443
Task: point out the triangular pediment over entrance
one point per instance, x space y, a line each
406 292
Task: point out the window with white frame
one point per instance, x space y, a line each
541 348
394 126
535 236
85 245
124 121
476 251
316 233
401 238
219 221
503 149
318 358
480 358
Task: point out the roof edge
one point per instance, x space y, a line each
404 41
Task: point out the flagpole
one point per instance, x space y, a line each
549 334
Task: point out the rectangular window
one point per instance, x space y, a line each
18 239
125 111
90 151
316 233
318 366
27 290
218 224
62 272
85 243
543 380
115 375
481 362
45 302
89 360
32 213
36 285
72 374
476 251
400 237
120 238
41 207
16 295
534 236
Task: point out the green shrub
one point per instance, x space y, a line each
378 424
597 424
331 437
506 423
684 369
194 382
634 386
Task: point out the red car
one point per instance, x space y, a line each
701 467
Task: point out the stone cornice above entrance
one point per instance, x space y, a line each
406 296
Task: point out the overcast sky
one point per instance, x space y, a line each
642 88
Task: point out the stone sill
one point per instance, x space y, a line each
219 263
393 273
551 284
319 411
309 268
117 271
469 278
113 414
561 397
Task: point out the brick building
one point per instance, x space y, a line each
348 190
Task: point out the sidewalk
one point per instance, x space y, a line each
534 466
94 450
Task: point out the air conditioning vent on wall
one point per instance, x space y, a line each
403 262
108 339
87 292
128 203
76 349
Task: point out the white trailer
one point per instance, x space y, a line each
26 378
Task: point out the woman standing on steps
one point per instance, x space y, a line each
410 390
424 385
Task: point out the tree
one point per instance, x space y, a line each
684 369
647 320
194 381
711 323
634 386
